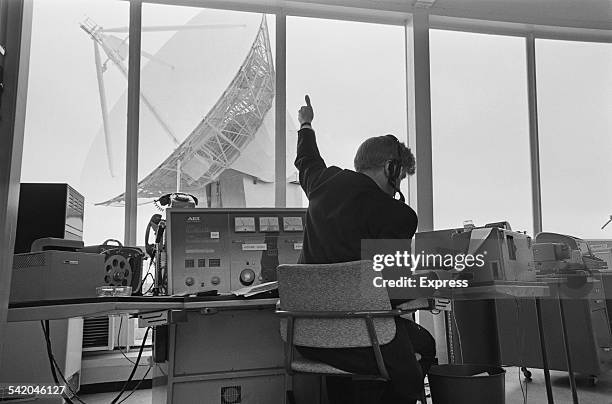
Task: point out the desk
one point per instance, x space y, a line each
123 305
90 308
222 350
542 289
224 347
237 340
499 289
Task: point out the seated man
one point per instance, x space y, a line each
345 207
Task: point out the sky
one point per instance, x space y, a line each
354 74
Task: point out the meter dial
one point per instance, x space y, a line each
268 224
244 224
293 223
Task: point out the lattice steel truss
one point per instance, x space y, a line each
218 140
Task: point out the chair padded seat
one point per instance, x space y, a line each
303 365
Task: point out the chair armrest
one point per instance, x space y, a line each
417 304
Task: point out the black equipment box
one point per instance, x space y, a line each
48 210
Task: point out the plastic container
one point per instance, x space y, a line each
114 291
467 384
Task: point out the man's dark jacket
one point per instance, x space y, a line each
345 207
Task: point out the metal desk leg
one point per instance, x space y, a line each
549 393
570 371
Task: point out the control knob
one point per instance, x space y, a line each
247 277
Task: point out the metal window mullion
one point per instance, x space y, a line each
419 114
534 140
280 138
420 138
410 135
133 123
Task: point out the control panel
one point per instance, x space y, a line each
228 249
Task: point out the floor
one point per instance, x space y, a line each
536 391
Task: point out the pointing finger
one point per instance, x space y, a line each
307 100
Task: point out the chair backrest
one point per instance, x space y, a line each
333 287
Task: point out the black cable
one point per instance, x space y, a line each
149 290
57 366
526 392
54 365
49 355
142 282
457 329
136 387
150 286
74 394
144 340
521 384
119 341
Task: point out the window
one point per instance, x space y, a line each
65 140
574 86
480 132
355 75
206 108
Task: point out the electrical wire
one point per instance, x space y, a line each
520 380
119 340
144 340
74 394
526 392
150 286
55 368
457 328
137 385
149 274
49 354
145 278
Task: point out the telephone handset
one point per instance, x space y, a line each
157 252
176 200
153 224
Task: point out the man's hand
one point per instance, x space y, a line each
305 114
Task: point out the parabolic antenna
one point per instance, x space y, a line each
233 142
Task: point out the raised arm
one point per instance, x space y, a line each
308 161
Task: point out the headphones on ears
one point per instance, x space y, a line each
395 169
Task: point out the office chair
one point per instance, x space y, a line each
334 306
